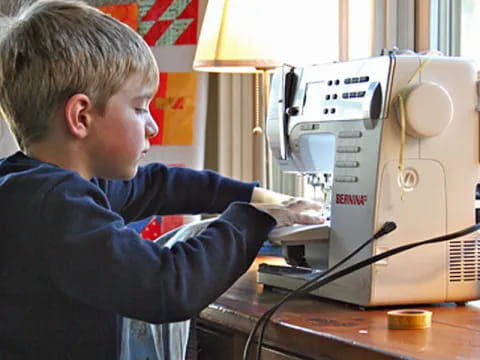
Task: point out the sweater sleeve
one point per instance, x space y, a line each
95 259
158 189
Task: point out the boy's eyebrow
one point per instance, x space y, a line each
146 96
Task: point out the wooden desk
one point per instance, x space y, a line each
314 328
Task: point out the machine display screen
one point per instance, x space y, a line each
317 152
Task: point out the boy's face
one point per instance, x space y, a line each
120 136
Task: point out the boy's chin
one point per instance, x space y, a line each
130 175
126 174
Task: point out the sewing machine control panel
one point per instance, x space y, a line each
343 91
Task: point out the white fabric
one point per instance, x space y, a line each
142 340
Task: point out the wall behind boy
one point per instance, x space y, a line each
7 143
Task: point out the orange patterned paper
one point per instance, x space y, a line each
173 108
126 13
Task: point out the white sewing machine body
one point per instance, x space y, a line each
343 119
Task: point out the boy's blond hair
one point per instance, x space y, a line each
54 49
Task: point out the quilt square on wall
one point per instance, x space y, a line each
168 22
173 108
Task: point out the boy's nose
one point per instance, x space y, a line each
151 127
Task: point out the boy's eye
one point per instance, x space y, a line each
141 110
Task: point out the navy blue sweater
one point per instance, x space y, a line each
69 266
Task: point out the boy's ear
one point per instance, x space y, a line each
78 115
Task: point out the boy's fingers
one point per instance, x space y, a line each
307 219
298 204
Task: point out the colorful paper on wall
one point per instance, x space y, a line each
159 225
126 13
168 22
173 108
152 228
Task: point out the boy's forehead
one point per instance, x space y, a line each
137 86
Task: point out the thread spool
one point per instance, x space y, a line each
409 319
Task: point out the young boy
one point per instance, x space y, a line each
75 86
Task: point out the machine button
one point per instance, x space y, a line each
347 164
349 134
364 78
306 127
355 80
348 149
346 178
347 81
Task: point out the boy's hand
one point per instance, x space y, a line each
293 211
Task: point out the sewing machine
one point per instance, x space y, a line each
394 138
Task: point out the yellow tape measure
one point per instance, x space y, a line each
409 319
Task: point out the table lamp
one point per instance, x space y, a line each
255 36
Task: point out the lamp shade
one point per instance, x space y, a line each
247 35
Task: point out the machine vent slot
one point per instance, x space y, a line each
463 260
